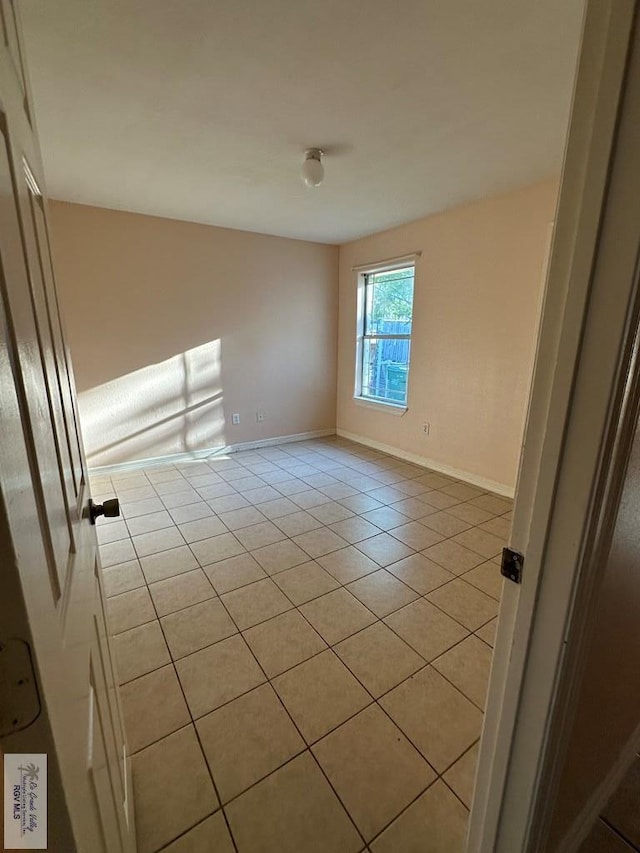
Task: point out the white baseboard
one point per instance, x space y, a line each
425 462
172 458
596 803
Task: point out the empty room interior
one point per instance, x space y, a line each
300 252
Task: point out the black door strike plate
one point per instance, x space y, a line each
512 563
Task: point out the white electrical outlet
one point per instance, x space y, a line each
426 427
235 419
259 417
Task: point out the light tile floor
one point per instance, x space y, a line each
303 638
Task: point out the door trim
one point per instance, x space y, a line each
562 454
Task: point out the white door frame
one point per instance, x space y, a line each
579 369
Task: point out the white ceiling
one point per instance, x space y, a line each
201 109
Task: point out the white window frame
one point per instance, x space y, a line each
359 398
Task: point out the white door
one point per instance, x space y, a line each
59 695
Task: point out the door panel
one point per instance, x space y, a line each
12 42
49 336
100 774
112 733
71 431
22 313
111 694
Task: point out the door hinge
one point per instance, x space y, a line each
511 566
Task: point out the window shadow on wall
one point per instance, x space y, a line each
174 406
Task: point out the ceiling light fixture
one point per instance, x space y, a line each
312 171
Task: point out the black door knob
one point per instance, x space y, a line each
110 509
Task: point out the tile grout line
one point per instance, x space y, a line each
469 631
193 723
295 607
308 746
484 560
197 735
366 493
376 702
286 710
377 619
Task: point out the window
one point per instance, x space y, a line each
384 335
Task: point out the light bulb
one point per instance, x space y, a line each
312 170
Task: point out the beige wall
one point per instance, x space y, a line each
476 304
174 326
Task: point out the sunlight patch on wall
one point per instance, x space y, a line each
171 407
